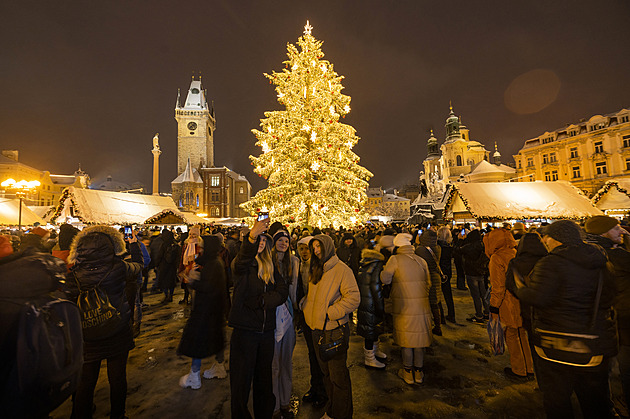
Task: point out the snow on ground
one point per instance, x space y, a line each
463 379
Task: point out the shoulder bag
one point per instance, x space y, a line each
329 346
443 277
573 349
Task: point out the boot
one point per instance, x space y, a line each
406 375
377 352
418 375
370 359
192 380
435 311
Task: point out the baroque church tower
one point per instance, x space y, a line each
195 129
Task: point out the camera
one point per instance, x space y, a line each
262 216
128 233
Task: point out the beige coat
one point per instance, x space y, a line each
410 279
336 293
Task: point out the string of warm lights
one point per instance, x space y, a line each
314 177
604 190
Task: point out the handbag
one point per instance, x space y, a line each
443 277
328 346
497 338
574 349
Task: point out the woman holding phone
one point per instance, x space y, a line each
258 289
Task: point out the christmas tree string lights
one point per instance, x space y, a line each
314 177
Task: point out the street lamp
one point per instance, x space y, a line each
21 189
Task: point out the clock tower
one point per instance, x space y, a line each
195 129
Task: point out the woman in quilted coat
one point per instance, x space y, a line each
409 275
500 248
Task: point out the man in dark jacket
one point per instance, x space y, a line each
563 288
606 232
475 267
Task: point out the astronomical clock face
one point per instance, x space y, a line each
194 90
192 126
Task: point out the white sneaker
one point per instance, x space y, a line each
377 352
216 371
192 380
370 360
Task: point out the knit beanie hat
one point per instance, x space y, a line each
66 234
564 231
600 224
428 238
402 239
279 234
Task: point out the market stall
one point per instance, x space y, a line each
90 206
10 213
614 198
175 217
503 201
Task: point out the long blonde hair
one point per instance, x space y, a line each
265 264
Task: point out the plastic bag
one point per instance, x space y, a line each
497 338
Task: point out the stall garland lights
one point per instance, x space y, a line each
604 190
60 206
451 197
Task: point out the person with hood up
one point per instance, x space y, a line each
282 367
66 235
349 253
259 289
316 394
499 245
411 281
563 289
475 267
332 295
203 333
607 232
371 310
429 250
97 258
191 248
167 263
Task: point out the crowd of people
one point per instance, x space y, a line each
561 293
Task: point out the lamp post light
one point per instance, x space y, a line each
21 189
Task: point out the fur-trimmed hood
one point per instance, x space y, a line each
96 243
370 255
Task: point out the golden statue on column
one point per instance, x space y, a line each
156 164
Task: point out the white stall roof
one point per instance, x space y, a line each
518 201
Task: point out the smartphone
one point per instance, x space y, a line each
128 233
262 216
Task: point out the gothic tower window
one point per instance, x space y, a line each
458 159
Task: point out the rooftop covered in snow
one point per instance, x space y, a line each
517 201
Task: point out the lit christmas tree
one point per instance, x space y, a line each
314 177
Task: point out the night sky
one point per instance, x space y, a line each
92 82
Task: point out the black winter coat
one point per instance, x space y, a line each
474 255
94 257
530 251
620 260
254 302
350 255
203 333
371 308
446 255
167 262
562 289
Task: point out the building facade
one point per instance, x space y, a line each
201 187
587 153
51 186
460 159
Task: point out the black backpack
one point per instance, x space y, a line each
99 318
49 357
